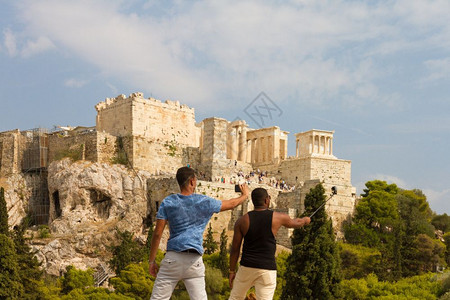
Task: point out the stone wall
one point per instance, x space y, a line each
339 207
114 116
155 156
296 170
107 147
80 146
10 155
214 145
148 118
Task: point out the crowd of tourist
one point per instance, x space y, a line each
256 177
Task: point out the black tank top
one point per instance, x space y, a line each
259 243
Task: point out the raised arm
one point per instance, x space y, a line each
156 239
232 203
281 219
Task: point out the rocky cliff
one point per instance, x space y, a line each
90 201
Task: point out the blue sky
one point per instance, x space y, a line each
376 72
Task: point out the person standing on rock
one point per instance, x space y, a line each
187 214
258 229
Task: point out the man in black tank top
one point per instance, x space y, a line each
258 229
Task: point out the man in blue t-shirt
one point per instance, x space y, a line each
187 215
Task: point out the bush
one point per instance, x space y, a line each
73 153
134 282
358 261
76 279
44 231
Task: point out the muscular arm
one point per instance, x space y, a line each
281 219
232 203
156 239
236 247
295 223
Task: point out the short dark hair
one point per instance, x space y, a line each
259 196
183 175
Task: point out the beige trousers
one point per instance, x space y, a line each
264 281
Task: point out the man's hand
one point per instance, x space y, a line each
307 220
231 278
232 203
153 269
244 189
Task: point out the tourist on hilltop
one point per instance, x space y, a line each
258 229
187 214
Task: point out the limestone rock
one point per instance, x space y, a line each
88 202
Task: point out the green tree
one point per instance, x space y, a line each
126 252
216 285
134 282
76 279
358 261
313 268
224 263
415 214
281 260
447 248
379 185
209 244
92 293
3 213
29 267
376 223
441 222
429 254
10 285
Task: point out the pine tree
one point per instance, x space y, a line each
3 213
209 244
126 252
223 254
10 285
313 268
29 267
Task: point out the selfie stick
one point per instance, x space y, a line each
333 192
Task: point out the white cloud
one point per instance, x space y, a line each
9 40
392 179
34 47
323 51
75 83
113 88
439 69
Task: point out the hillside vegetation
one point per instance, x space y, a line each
395 247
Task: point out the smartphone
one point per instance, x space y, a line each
237 188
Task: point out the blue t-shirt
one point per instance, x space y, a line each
187 217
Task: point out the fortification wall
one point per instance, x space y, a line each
295 170
168 121
79 146
339 207
149 118
107 147
331 170
114 116
9 152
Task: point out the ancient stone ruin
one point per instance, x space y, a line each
85 181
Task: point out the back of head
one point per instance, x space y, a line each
183 175
259 196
